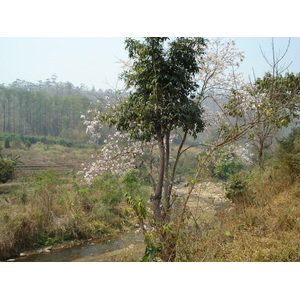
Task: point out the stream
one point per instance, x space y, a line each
85 250
209 197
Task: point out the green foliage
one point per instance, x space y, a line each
164 88
6 143
8 165
289 152
29 140
44 109
237 188
46 178
27 144
47 209
225 164
6 170
111 191
282 97
137 205
151 250
131 181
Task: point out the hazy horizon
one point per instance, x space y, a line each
95 62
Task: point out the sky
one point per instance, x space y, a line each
83 42
95 62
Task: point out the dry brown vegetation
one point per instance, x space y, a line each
52 204
267 228
260 223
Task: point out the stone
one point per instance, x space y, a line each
22 254
12 259
47 249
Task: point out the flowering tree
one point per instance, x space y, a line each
281 96
168 86
271 101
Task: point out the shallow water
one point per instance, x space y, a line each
86 250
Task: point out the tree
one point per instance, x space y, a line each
281 96
167 87
162 99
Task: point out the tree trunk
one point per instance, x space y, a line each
260 157
156 198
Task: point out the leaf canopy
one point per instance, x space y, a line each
163 89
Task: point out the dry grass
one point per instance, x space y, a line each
47 209
44 157
267 230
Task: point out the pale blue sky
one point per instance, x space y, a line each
94 61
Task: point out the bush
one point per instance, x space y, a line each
8 165
237 188
225 165
6 143
7 169
289 152
27 144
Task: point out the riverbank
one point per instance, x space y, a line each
206 199
132 253
122 247
48 208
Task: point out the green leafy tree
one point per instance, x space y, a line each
281 98
163 98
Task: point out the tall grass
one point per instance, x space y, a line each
47 209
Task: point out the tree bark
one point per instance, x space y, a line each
156 198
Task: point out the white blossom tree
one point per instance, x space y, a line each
214 77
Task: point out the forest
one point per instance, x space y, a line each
47 108
201 164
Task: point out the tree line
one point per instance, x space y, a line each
48 108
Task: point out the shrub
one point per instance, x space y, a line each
6 143
27 144
237 188
289 152
225 165
7 169
8 165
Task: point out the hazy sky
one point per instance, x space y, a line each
94 61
